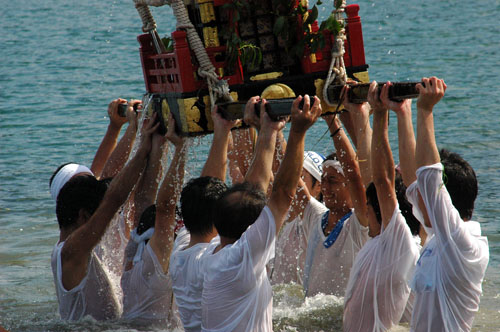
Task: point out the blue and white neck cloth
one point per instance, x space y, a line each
334 234
140 240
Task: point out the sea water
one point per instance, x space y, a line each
62 62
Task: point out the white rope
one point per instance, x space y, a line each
337 67
155 3
216 88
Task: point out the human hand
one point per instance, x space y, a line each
114 118
132 115
265 121
431 94
221 124
304 118
249 116
374 99
149 127
400 108
357 111
171 135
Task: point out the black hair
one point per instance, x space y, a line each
198 199
81 192
404 206
372 199
460 181
331 156
233 216
147 219
57 171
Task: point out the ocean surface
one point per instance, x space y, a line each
62 62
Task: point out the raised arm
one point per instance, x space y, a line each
109 140
361 135
287 178
406 137
260 171
347 158
80 243
145 192
383 171
216 163
163 237
240 153
122 151
427 152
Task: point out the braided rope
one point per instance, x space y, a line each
216 88
337 66
148 22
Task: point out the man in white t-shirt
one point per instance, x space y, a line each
451 268
335 233
198 199
237 294
84 209
147 288
291 244
378 290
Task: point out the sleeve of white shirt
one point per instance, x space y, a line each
312 214
358 232
462 250
444 217
261 237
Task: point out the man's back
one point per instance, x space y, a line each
452 265
237 295
94 296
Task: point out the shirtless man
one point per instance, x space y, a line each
237 295
84 210
451 268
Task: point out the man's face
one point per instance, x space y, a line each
334 189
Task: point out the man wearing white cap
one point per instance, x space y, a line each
84 209
291 245
338 230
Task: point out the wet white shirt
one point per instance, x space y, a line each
94 296
187 273
378 290
237 294
291 246
327 269
147 293
451 268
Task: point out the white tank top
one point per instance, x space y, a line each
94 296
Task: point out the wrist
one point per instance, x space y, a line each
114 126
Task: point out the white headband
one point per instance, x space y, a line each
312 164
64 175
335 164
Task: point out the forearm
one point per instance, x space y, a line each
364 146
172 184
287 178
216 163
407 144
120 154
383 166
426 150
145 193
105 149
279 151
260 172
